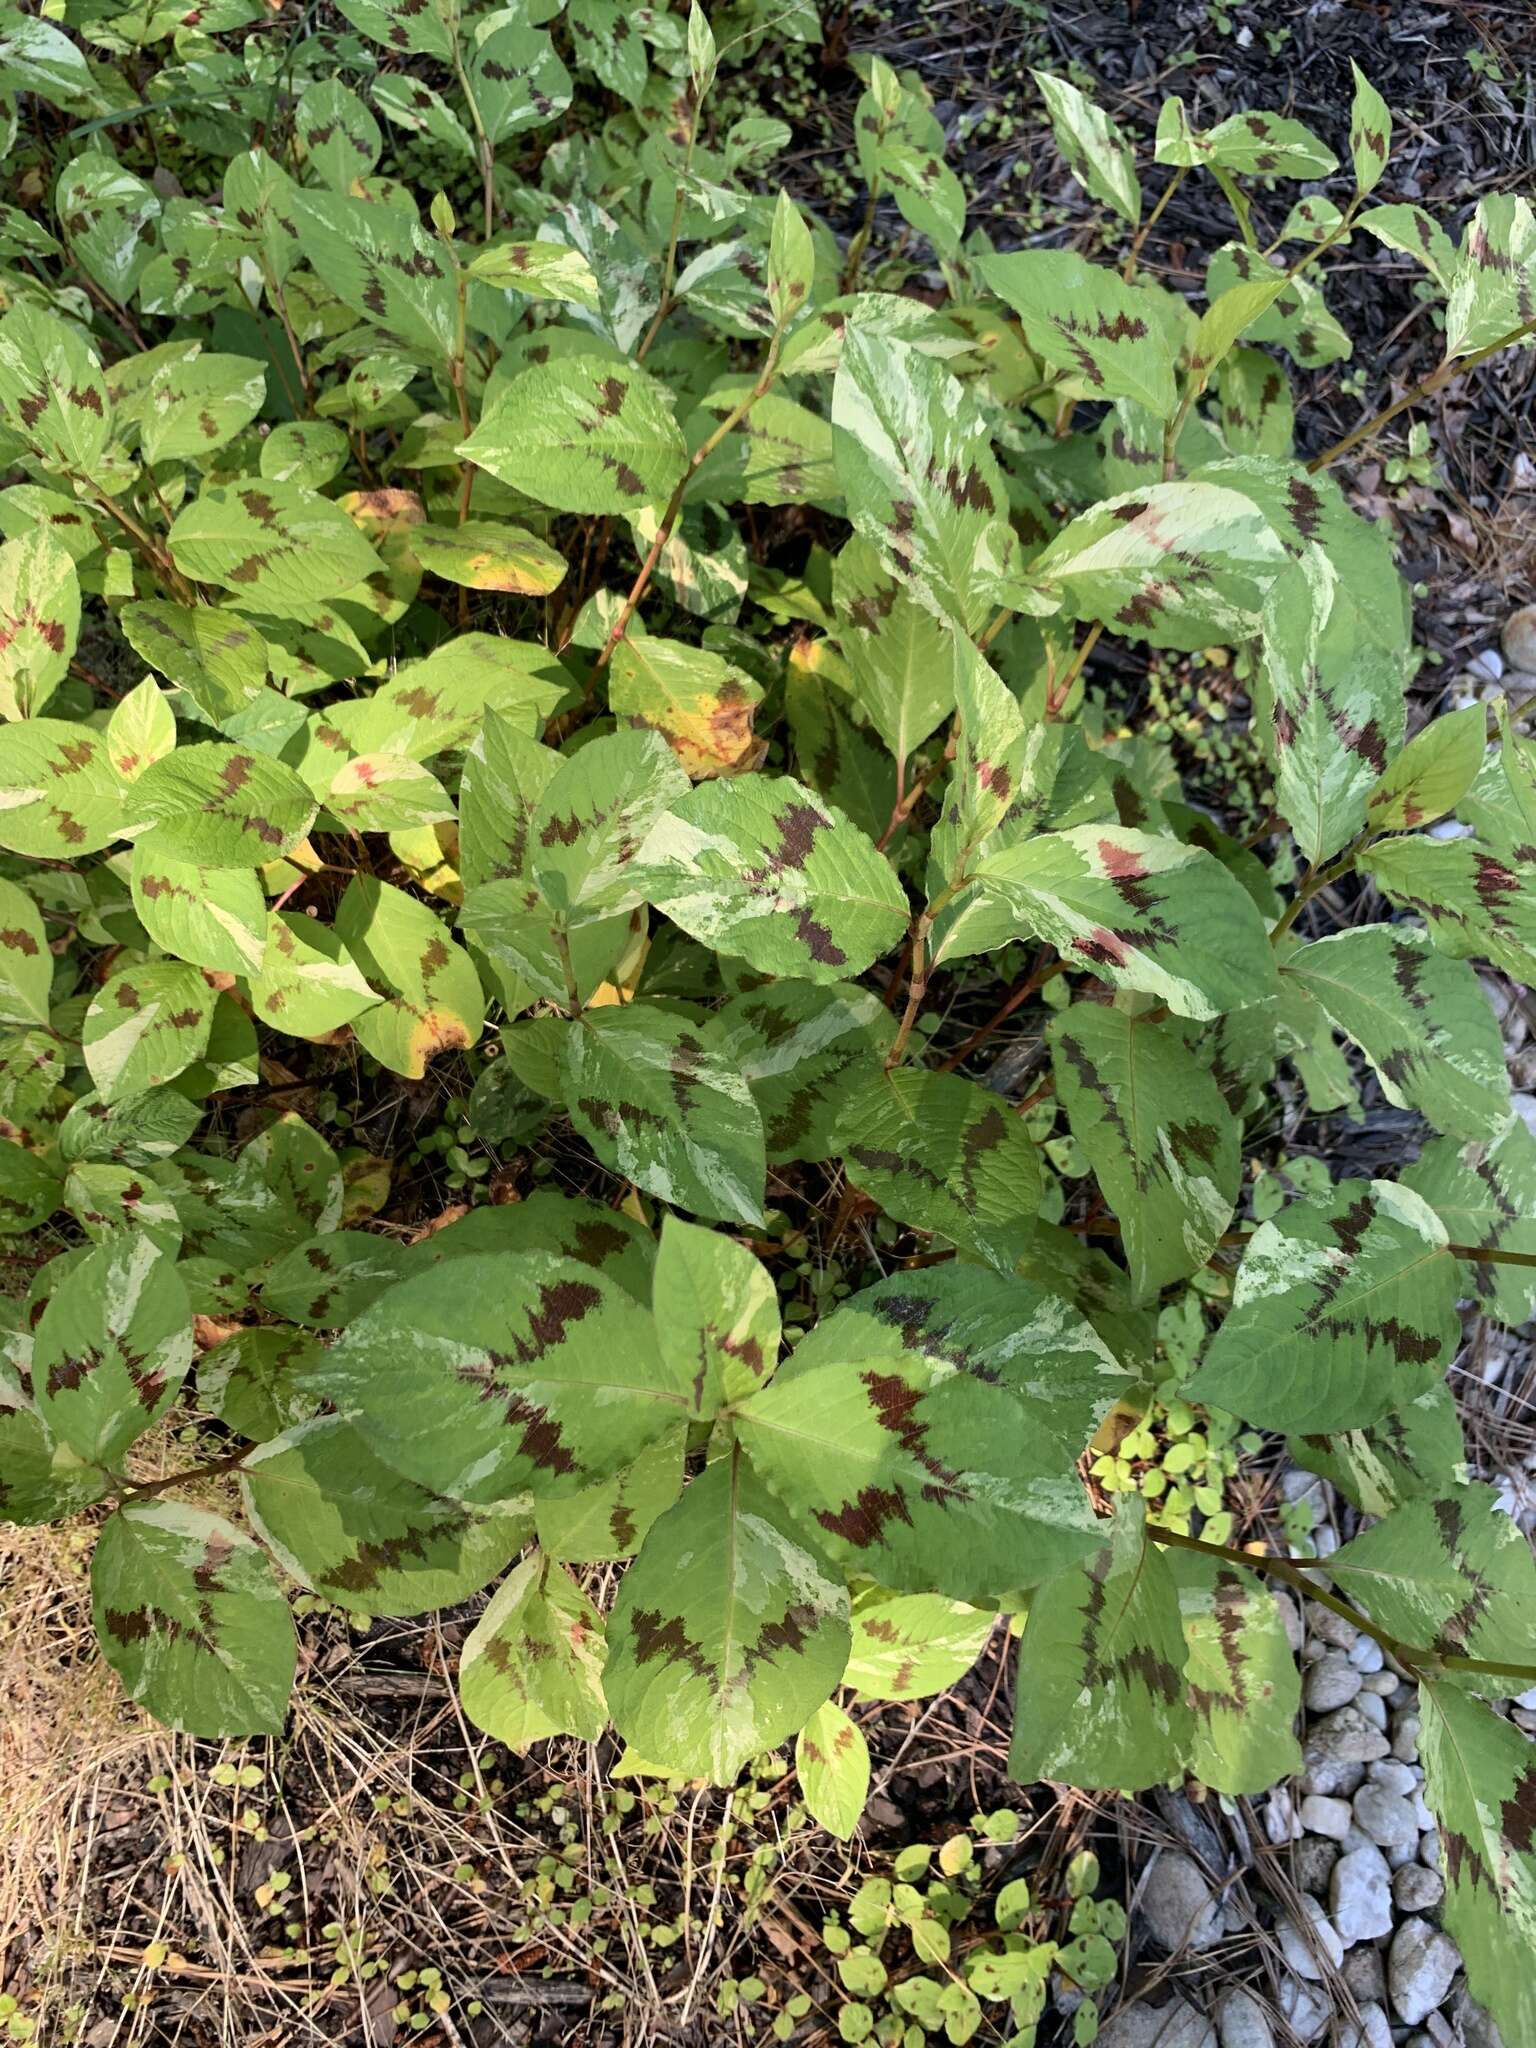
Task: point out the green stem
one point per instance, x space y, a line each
860 241
562 939
1313 882
1425 388
484 149
669 267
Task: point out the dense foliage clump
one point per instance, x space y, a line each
576 635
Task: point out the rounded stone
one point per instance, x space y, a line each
1333 1681
1360 1893
1417 1890
1179 1904
1387 1817
1421 1968
1241 2021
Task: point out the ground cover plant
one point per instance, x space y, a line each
492 595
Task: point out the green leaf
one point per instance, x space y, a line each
147 1025
924 1433
442 702
37 57
1092 147
905 663
726 1635
914 458
109 222
613 1244
799 1048
1410 229
582 434
218 806
53 394
1176 565
213 917
487 1376
907 1646
1420 1019
353 1530
791 262
1257 414
517 80
539 270
717 1315
1484 1192
1453 1574
532 1666
700 703
39 621
661 1105
1296 317
252 1381
611 1519
1140 912
381 262
272 544
307 452
944 1154
1476 904
832 1760
141 730
594 816
308 983
1480 1784
1491 289
1413 1451
1101 1698
759 867
196 406
1432 774
58 796
190 1619
484 554
1240 1677
1164 1147
403 26
435 1003
1344 1309
41 1480
1370 132
333 1278
900 147
1083 319
1258 144
335 133
26 965
217 658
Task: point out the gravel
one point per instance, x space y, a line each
1360 1893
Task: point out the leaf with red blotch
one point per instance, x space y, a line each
582 434
726 1634
532 1666
433 1001
59 798
112 1347
190 1617
147 1025
1101 1694
924 1433
1344 1309
486 1377
39 620
219 806
1480 1784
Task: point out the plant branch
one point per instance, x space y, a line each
696 461
917 987
1133 254
1031 985
1425 388
214 1469
1294 1573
